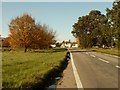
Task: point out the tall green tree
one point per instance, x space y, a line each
92 30
113 16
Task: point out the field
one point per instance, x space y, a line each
27 69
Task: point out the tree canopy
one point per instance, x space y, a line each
97 29
113 16
25 32
91 29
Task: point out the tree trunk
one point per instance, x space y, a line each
25 49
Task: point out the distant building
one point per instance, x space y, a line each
66 44
75 45
63 45
53 45
5 42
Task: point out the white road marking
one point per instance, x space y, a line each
77 78
117 66
92 55
103 60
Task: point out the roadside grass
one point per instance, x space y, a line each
112 51
21 70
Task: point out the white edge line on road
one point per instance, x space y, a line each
92 55
103 60
117 66
77 78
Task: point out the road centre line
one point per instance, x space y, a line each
77 78
92 55
117 66
103 60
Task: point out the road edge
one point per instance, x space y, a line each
77 78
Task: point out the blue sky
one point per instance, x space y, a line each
57 0
59 16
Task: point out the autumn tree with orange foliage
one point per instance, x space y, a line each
24 32
42 37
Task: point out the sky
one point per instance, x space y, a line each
59 16
57 0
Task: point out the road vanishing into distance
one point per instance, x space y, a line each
96 70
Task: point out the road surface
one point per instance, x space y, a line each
96 70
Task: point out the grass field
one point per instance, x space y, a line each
112 51
25 69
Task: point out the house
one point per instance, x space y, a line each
53 45
63 45
66 44
74 45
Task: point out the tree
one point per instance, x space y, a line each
20 29
113 16
24 32
92 29
42 37
48 37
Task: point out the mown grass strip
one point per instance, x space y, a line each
26 70
112 51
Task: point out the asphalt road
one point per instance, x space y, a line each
96 70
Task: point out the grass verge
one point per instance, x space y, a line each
112 51
31 69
